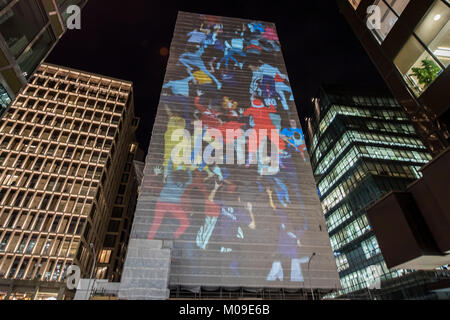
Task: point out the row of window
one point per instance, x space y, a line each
60 184
364 137
360 101
43 269
366 277
382 114
343 189
41 222
350 232
91 81
364 169
340 215
377 169
358 256
39 244
61 91
355 122
48 165
30 146
44 201
47 131
357 152
32 110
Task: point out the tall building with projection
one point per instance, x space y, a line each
228 204
29 29
362 145
66 192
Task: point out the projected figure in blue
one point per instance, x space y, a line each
227 81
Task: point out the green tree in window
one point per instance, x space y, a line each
427 73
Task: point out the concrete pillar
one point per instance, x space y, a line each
10 290
61 291
36 291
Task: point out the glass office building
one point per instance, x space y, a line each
361 147
29 29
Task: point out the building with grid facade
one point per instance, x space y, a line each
112 257
409 43
361 147
29 29
67 147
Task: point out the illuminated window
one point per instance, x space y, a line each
355 3
370 247
342 262
426 53
105 256
390 11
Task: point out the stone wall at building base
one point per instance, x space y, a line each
146 271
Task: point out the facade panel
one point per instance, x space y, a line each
232 214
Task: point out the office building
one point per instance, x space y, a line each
361 147
216 215
67 148
29 29
410 47
112 257
408 41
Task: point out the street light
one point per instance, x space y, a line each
309 275
91 245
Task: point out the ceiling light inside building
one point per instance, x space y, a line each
442 52
437 17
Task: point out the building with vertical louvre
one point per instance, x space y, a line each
67 148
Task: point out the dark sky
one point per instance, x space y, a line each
123 38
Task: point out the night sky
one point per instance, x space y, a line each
123 39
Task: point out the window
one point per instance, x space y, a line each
117 212
110 241
354 3
434 32
30 59
105 256
390 11
17 34
4 242
427 52
114 226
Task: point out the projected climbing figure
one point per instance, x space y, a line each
288 243
169 201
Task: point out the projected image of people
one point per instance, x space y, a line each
227 175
